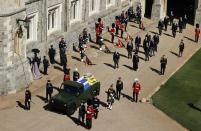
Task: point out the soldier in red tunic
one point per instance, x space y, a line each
136 90
100 25
117 25
197 33
89 116
112 32
122 28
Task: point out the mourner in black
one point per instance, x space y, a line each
181 25
163 62
146 49
151 48
52 53
27 99
185 21
96 103
171 17
119 88
116 57
49 90
76 75
181 48
135 61
160 27
62 43
166 21
45 64
81 113
156 42
137 43
129 49
36 59
174 29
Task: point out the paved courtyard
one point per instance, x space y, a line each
125 114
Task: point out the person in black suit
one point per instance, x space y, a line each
116 57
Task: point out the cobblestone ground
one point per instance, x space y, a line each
125 114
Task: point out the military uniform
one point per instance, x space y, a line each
146 49
129 49
82 112
76 75
136 90
89 116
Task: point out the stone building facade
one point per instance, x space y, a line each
49 20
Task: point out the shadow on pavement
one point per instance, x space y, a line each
94 47
189 38
142 58
127 97
155 70
76 121
110 65
58 68
174 53
129 67
167 34
19 104
75 58
153 32
103 104
42 98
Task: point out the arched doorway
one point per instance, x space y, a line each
148 8
180 8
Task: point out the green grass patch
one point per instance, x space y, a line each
180 97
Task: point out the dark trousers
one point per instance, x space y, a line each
180 30
125 27
117 30
112 39
116 64
180 53
162 69
122 33
81 118
146 56
135 66
129 54
88 123
160 31
45 70
96 113
52 60
166 27
174 34
48 96
27 104
118 92
135 96
196 38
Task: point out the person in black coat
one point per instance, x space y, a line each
137 43
181 25
116 57
146 49
27 99
185 21
163 62
96 104
49 90
174 29
166 21
119 88
181 48
135 61
156 41
52 53
129 49
45 64
151 48
160 27
171 17
76 75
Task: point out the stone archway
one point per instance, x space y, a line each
180 8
